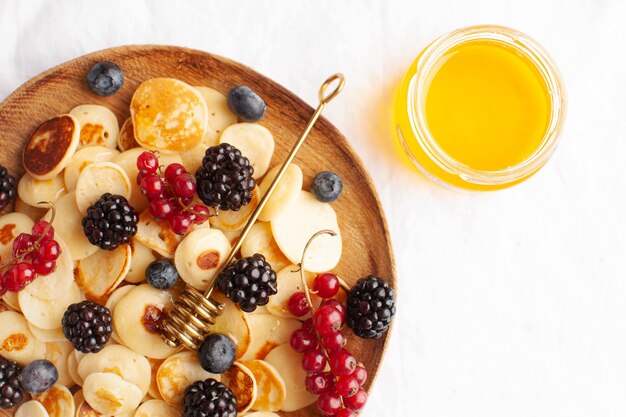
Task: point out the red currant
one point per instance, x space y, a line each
162 208
313 361
329 403
357 401
342 363
184 185
202 213
140 177
327 320
347 386
40 228
307 325
319 383
18 276
152 186
344 412
298 305
180 222
48 251
337 305
22 243
334 341
147 162
301 341
44 267
360 374
326 285
172 171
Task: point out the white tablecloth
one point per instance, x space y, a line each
511 303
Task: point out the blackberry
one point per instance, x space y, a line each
225 178
88 326
110 222
7 188
209 398
370 307
11 392
249 282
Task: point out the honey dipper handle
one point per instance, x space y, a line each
324 98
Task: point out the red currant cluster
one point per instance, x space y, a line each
170 193
34 254
322 345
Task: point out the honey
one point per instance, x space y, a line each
481 108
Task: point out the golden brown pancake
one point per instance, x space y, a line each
51 146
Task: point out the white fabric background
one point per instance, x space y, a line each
511 303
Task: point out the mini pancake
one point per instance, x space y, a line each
260 240
156 408
31 408
120 360
11 225
192 159
47 336
126 138
99 274
199 256
58 353
142 257
72 369
84 157
288 363
153 390
255 143
230 221
262 414
109 394
17 343
58 401
286 191
33 191
168 115
98 125
47 314
51 146
138 317
112 301
57 282
240 380
10 298
220 115
100 178
298 223
234 323
271 391
67 224
157 235
268 331
176 373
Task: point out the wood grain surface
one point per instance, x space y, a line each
367 246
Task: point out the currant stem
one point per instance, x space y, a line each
305 286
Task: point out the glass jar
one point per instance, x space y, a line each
423 147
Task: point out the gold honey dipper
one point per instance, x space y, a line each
189 321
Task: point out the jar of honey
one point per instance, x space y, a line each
481 108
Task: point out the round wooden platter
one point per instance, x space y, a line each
367 246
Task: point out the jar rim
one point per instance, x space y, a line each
536 55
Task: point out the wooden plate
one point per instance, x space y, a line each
367 246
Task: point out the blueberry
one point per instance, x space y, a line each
39 376
246 104
217 353
327 186
105 78
161 274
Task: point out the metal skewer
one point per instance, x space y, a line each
194 312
